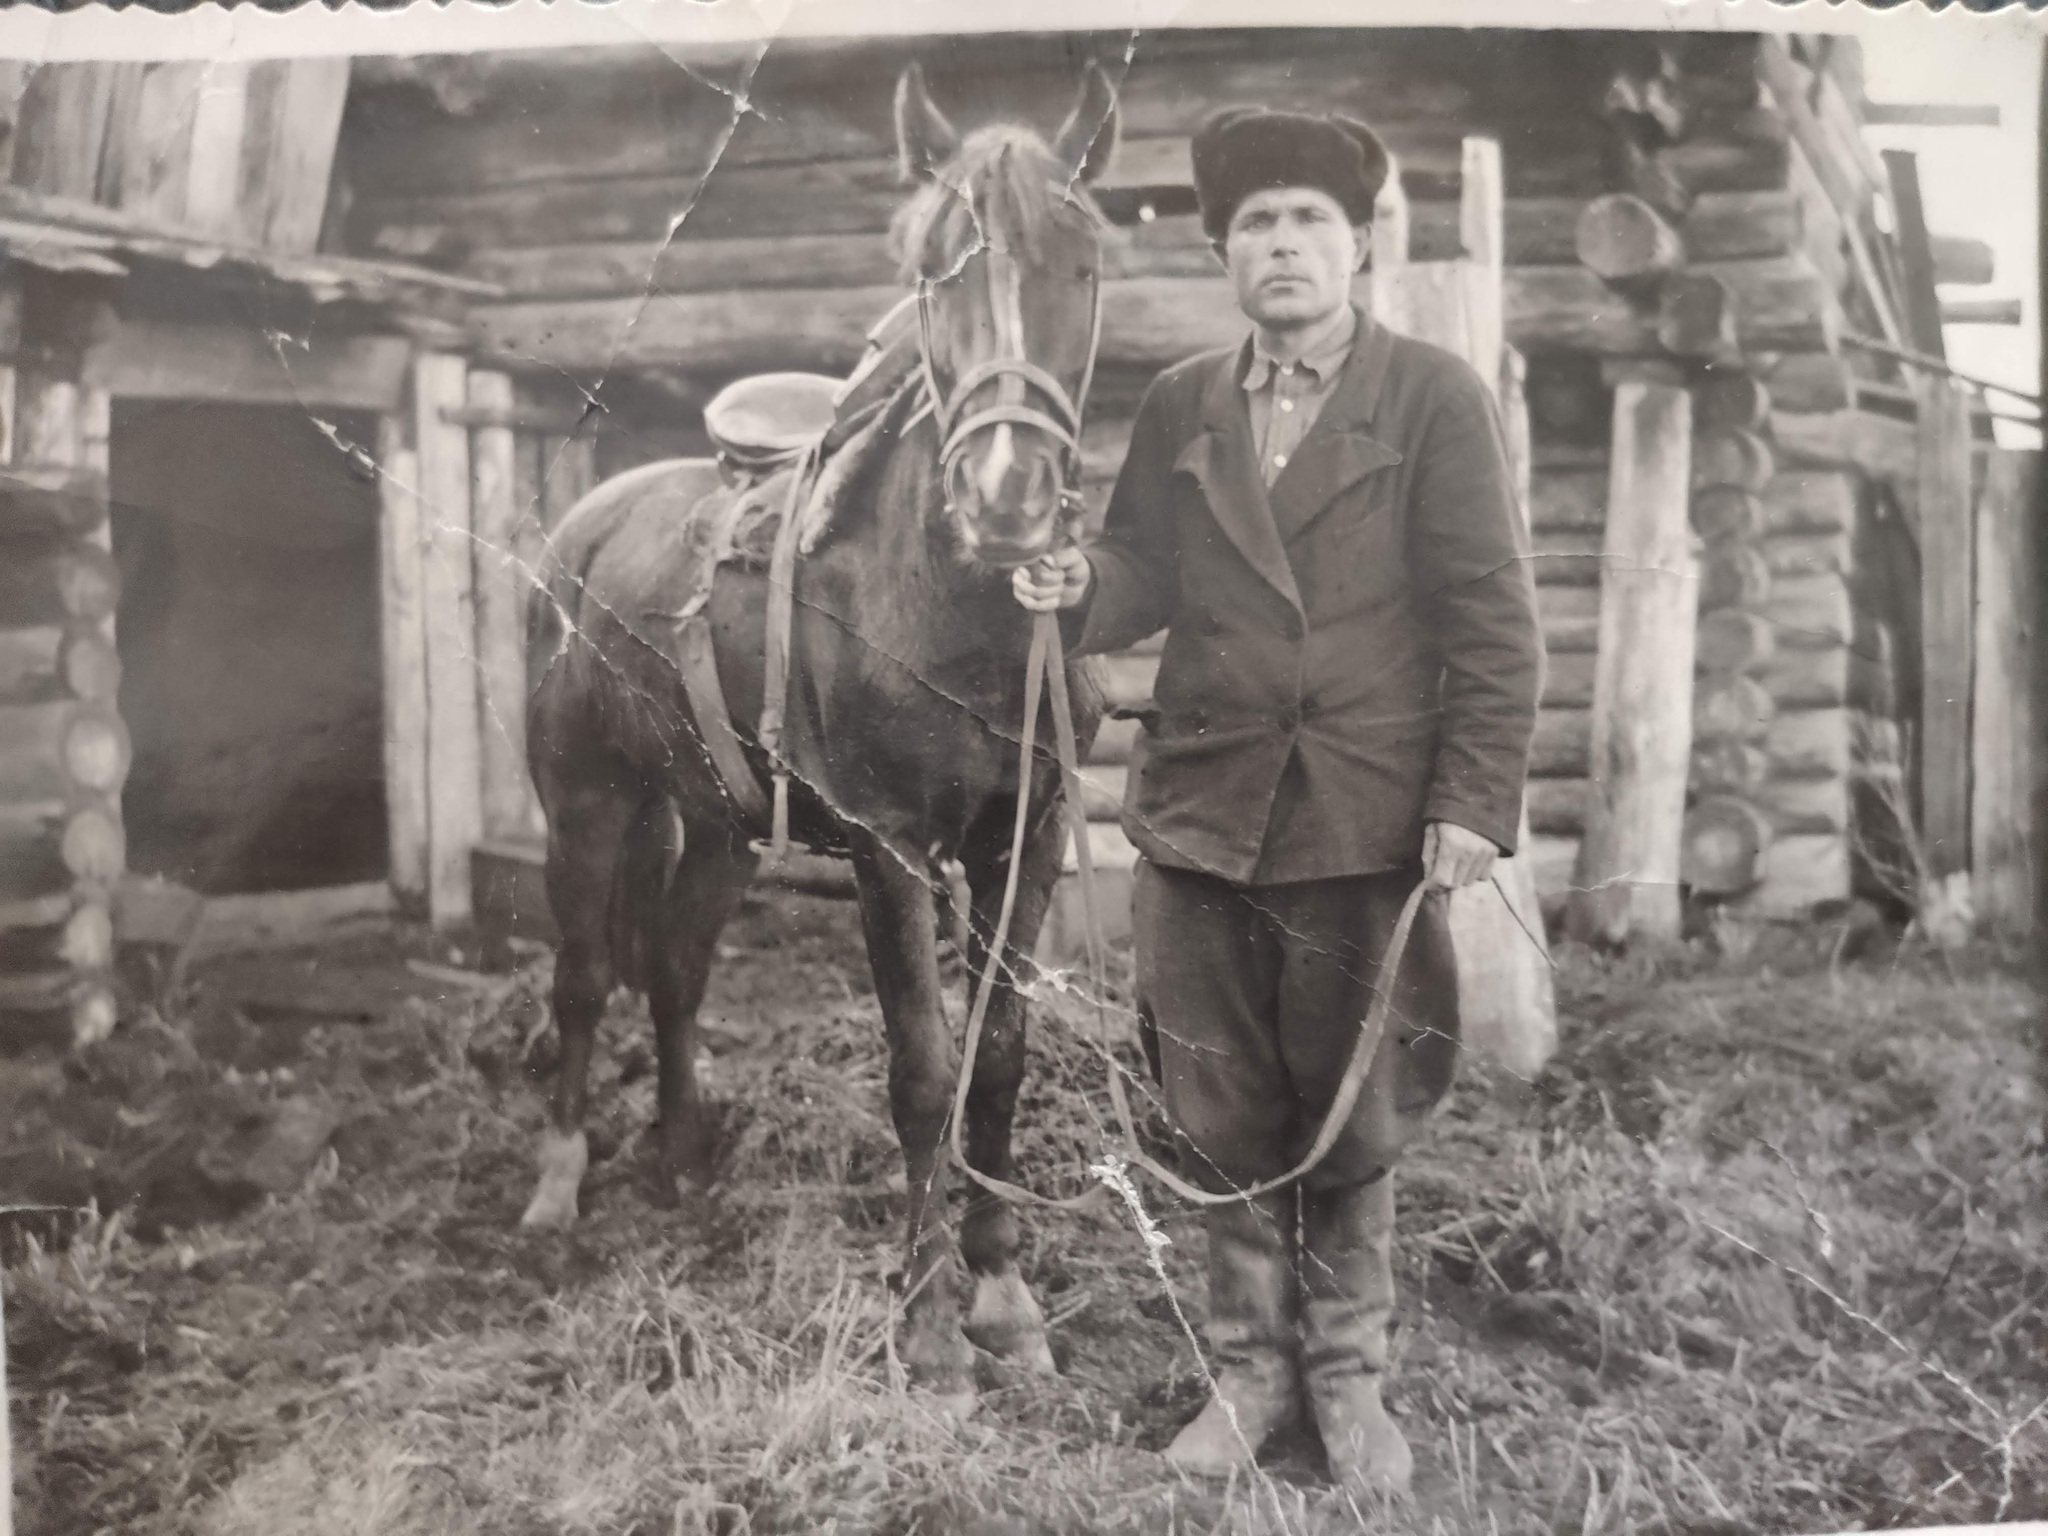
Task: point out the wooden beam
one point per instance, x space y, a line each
1951 114
2003 693
1982 312
1626 878
1781 305
501 589
1946 528
448 601
157 360
1958 259
401 584
1916 253
298 159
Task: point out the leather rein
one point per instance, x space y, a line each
1017 378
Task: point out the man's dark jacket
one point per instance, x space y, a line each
1350 654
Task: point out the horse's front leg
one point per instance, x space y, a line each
898 916
1004 1319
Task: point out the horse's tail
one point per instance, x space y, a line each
637 920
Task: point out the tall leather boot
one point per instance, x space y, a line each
1254 1313
1347 1289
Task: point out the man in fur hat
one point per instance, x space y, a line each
1321 520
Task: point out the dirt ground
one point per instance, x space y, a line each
1765 1250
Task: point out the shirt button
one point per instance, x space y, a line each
1280 459
1286 405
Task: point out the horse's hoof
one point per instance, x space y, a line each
562 1161
1005 1320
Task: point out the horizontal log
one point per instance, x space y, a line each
1732 705
1958 259
1856 440
53 752
1723 841
45 851
1622 239
48 663
1570 617
1727 513
1731 640
1795 743
1982 312
1806 383
1809 612
1727 766
1780 305
1696 317
1568 680
1146 321
57 502
1568 499
1536 232
1942 114
1557 806
1735 458
1807 677
76 581
1566 557
158 360
1810 501
82 941
1807 554
1730 400
1733 575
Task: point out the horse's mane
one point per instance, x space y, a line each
1005 185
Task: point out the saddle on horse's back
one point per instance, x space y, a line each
791 446
774 430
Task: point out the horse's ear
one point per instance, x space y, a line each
1088 137
924 139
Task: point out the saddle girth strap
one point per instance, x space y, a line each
697 661
781 617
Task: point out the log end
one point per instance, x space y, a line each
1724 842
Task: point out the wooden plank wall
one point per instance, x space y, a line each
240 151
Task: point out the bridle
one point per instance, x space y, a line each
1016 378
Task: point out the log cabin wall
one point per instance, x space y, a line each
1701 203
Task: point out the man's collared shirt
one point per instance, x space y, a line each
1284 398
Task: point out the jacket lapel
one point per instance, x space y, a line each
1221 460
1337 452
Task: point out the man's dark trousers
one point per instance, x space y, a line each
1257 993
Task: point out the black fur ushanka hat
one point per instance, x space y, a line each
1242 150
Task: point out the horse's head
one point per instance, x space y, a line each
1006 253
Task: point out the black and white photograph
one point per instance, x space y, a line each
1176 767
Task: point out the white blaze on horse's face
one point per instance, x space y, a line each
1008 260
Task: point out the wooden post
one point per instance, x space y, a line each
1506 1000
2002 694
1626 879
448 604
529 544
1947 628
500 611
402 578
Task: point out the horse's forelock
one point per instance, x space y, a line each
1004 185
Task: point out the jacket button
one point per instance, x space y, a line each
1308 709
1290 719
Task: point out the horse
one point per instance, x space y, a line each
905 703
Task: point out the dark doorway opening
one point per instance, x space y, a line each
248 630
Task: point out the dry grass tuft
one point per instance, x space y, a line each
1765 1249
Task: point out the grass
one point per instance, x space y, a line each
1766 1249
